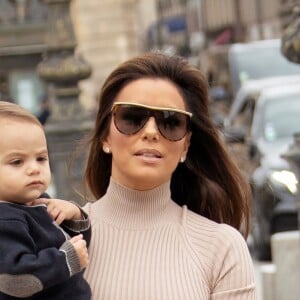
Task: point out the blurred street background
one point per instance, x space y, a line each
56 54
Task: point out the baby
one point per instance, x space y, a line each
43 248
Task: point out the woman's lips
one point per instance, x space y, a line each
149 156
149 153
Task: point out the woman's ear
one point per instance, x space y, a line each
106 147
187 142
186 147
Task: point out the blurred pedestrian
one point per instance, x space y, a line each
45 111
38 257
171 201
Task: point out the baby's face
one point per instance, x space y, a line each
24 164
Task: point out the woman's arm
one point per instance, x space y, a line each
234 272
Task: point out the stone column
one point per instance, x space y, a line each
286 258
61 69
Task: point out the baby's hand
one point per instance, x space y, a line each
60 210
80 247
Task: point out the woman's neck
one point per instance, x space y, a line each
131 208
138 185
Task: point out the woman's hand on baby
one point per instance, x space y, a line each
79 245
60 210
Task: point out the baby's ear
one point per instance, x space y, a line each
45 195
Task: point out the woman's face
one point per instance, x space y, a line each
146 159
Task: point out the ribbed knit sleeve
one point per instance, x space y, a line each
222 255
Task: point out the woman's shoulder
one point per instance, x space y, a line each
205 231
211 245
221 253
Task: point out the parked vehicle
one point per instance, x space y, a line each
229 67
259 128
250 91
257 60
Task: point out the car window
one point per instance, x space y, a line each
270 62
256 61
244 116
242 119
282 118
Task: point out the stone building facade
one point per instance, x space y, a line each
108 32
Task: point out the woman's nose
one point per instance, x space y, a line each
150 130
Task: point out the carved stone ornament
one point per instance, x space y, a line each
64 69
290 46
60 64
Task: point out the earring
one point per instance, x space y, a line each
182 159
106 149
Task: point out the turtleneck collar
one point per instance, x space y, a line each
134 209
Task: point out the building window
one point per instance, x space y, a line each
26 89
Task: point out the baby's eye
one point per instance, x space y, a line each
16 162
42 158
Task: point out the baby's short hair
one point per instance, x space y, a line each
10 110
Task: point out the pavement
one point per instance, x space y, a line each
257 269
257 266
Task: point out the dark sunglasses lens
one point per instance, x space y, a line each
172 125
130 119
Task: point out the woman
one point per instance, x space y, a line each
171 201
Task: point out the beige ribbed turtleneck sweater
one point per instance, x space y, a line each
146 247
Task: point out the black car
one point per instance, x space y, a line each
259 129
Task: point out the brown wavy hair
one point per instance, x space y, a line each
209 182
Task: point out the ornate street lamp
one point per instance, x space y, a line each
61 69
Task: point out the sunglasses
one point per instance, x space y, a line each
129 118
